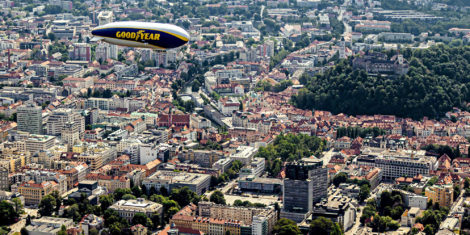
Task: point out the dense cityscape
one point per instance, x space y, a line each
283 117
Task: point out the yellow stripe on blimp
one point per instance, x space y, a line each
173 34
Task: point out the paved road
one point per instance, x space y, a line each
355 227
327 156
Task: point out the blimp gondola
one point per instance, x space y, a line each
156 36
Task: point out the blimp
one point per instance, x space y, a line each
141 34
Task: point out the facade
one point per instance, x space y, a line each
29 118
394 166
264 218
442 194
128 208
33 193
229 219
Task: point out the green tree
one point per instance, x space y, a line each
106 201
94 231
136 191
128 197
141 218
8 215
63 230
322 225
184 196
58 200
217 197
364 192
120 192
47 205
339 178
18 205
286 227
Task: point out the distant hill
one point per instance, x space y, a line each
437 80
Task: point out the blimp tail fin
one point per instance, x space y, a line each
95 39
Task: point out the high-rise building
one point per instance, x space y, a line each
306 183
29 118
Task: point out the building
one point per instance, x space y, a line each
339 209
91 221
81 52
408 218
396 37
106 51
48 225
29 118
128 208
222 164
414 200
12 161
178 120
58 118
110 182
4 181
379 63
244 154
70 134
204 158
220 219
399 164
305 184
259 226
186 220
91 189
372 174
37 143
105 17
255 168
139 229
258 184
34 192
198 183
245 214
442 194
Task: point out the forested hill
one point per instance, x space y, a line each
438 79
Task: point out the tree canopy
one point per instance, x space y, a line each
289 147
286 227
437 80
